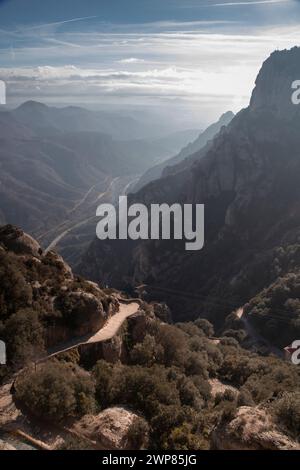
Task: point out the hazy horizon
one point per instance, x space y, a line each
190 61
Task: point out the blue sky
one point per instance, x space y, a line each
198 57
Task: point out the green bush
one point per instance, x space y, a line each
287 411
205 326
23 333
57 391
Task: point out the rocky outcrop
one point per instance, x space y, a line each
14 239
59 262
112 351
109 429
6 446
251 429
273 90
65 305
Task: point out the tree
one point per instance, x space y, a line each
287 411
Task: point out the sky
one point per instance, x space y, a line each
191 59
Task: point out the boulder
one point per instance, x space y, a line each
14 239
251 429
110 429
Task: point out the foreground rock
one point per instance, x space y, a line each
110 429
5 446
251 429
14 239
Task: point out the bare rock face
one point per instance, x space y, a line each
273 89
19 242
112 351
110 428
251 429
5 446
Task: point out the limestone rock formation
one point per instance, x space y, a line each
110 428
16 240
251 429
6 446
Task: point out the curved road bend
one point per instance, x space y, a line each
108 331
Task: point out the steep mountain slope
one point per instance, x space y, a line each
192 148
248 180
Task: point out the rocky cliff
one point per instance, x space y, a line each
248 180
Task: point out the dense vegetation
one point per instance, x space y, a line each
57 391
166 380
275 311
165 374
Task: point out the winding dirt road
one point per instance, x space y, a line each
106 333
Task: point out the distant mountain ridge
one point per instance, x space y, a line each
169 165
50 156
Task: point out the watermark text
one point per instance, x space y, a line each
160 222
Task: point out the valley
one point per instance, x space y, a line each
58 165
72 237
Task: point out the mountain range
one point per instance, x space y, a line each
51 158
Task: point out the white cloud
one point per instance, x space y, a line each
195 66
249 3
131 60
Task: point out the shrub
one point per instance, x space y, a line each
195 364
138 434
24 336
190 395
238 335
143 389
245 399
184 438
287 411
174 344
102 373
57 391
147 352
205 326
